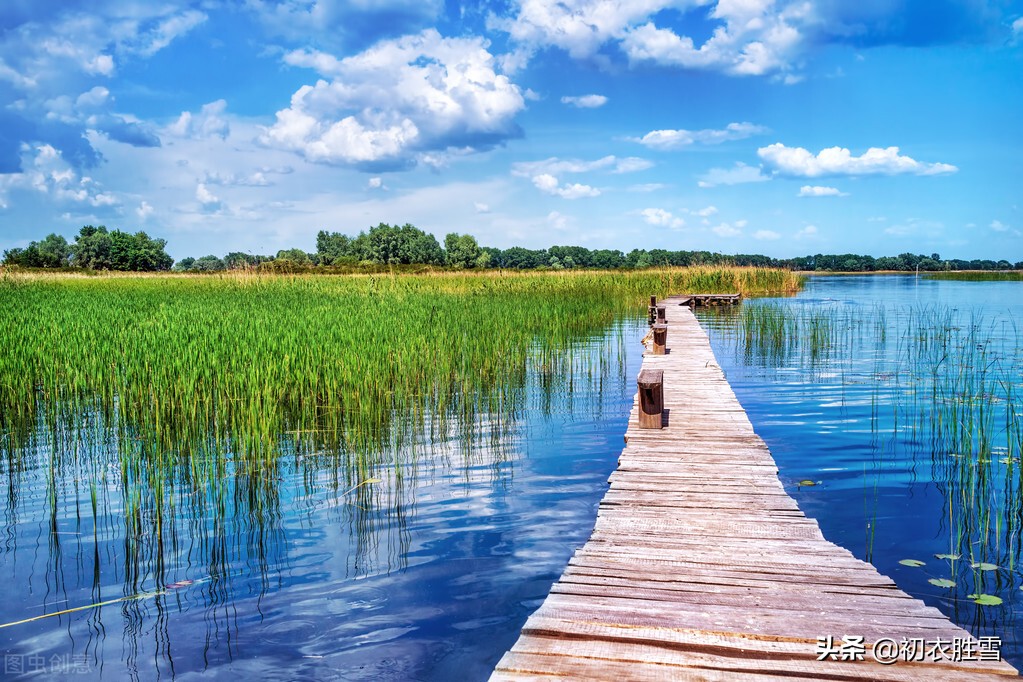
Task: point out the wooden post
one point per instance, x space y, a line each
651 312
651 398
662 312
660 338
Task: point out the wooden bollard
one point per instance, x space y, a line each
651 312
662 314
660 338
651 398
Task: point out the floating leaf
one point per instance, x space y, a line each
807 483
985 599
982 566
953 557
915 563
942 582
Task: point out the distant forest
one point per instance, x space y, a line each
97 248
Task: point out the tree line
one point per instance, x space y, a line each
96 248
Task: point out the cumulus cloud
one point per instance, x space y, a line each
999 226
549 184
677 139
819 191
799 162
480 207
750 37
209 122
144 210
738 174
205 197
706 212
658 216
1017 27
46 171
766 235
46 55
398 101
585 101
808 231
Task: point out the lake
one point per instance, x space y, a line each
427 569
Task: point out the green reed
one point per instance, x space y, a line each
157 398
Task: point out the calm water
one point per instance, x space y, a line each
425 574
858 423
428 570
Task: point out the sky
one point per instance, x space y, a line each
778 127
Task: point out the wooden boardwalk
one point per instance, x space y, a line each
701 567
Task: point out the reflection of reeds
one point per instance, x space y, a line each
945 385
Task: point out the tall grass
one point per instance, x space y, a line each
167 408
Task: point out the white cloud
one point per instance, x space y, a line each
480 207
706 212
556 166
766 235
658 216
558 221
726 230
144 210
549 184
999 226
749 37
398 101
47 172
631 164
808 231
647 187
1017 26
585 101
206 197
818 191
676 139
375 183
209 122
799 162
739 174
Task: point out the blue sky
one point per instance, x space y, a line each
741 126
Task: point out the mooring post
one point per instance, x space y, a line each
660 338
651 398
662 314
651 312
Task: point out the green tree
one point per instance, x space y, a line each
92 248
462 250
208 264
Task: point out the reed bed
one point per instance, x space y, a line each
162 409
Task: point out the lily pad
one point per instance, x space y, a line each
983 566
952 557
985 599
915 563
942 582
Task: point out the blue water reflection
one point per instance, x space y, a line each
425 574
857 422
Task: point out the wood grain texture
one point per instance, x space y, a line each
702 567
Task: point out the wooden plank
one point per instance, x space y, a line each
701 566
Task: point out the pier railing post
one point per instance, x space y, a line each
660 338
651 398
662 314
651 312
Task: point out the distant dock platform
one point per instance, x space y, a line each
702 567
